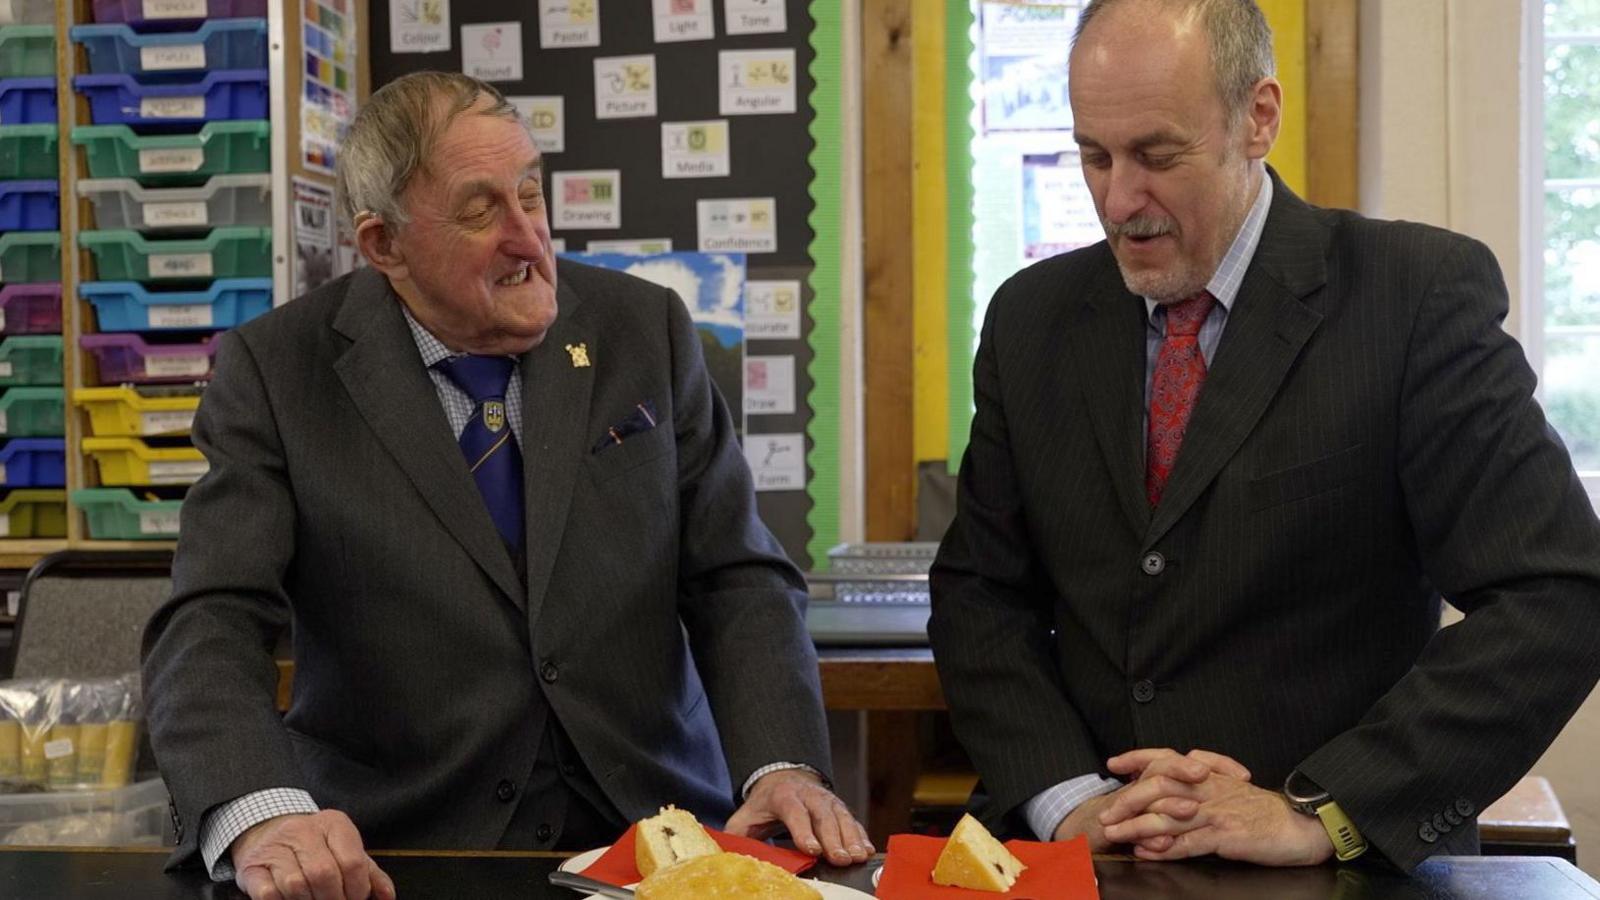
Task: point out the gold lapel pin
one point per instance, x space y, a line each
580 355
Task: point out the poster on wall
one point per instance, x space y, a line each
1058 211
328 45
419 26
1023 47
314 238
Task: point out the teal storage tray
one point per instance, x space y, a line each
27 51
30 359
28 152
232 252
116 514
30 256
33 412
218 148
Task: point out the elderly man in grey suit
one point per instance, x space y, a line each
1223 466
504 507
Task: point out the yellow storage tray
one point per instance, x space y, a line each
126 460
34 513
124 412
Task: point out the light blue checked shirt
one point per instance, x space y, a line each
1047 808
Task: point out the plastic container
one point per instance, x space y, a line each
30 205
123 412
125 306
218 44
34 462
30 359
221 201
127 461
136 11
27 151
133 815
32 513
27 51
33 412
122 100
28 101
127 359
218 148
115 514
30 308
30 256
27 12
232 252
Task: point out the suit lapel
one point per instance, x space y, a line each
555 437
1106 345
383 375
1265 332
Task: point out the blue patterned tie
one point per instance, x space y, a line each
490 449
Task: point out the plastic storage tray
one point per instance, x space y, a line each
122 100
34 462
30 205
126 461
218 44
114 151
30 308
223 200
30 359
28 12
27 151
123 412
30 256
136 814
137 11
115 514
33 412
33 513
126 358
28 101
125 306
232 252
27 51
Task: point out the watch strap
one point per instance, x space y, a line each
1347 840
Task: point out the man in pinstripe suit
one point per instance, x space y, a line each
1222 468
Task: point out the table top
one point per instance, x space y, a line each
137 875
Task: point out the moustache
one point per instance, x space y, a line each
1141 227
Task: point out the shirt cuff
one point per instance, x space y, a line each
1048 807
226 822
744 793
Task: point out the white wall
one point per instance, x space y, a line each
1441 102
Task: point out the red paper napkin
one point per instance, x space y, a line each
616 865
1060 871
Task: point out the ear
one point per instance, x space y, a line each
377 242
1263 118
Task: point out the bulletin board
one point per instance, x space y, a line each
633 102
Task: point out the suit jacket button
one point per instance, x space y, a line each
1439 823
1153 563
1144 691
543 833
1427 833
549 673
568 769
1465 807
505 790
1451 816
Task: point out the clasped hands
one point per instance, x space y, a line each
1176 806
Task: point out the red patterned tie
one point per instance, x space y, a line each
1180 371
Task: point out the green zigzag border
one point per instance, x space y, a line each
823 429
958 109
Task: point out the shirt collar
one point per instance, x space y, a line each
1225 282
431 348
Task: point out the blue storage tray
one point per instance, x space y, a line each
30 205
127 306
27 101
34 462
218 44
122 100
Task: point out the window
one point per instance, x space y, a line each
1562 290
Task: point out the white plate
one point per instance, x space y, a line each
828 891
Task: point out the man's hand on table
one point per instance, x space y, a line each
1164 789
817 821
307 857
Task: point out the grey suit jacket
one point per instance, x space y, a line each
1366 440
661 621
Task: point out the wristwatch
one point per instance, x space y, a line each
1308 798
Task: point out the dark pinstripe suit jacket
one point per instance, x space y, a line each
1366 441
660 621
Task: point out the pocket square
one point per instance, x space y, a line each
642 419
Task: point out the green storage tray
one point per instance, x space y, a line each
30 256
28 152
219 148
34 513
231 252
116 514
30 359
27 51
33 412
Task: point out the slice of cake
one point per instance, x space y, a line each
725 876
974 859
670 837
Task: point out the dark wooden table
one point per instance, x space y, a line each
34 874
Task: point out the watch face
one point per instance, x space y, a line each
1303 793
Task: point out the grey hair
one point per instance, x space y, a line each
1241 44
393 136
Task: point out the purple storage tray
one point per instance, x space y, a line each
126 358
161 11
31 308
